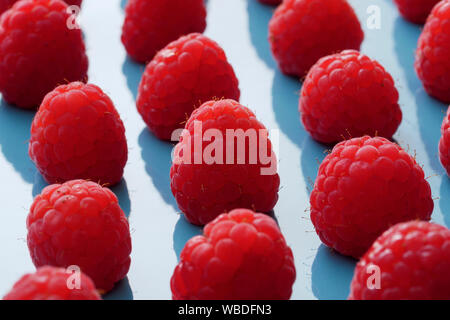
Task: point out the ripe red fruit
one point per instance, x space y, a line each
80 223
413 260
78 134
444 143
6 4
38 51
241 256
303 31
182 76
271 2
364 186
433 51
50 283
240 173
415 11
349 95
150 25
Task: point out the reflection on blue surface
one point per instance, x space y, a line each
15 127
157 157
182 233
331 274
121 291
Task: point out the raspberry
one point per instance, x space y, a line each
413 260
348 94
364 186
150 25
204 189
80 223
50 283
188 72
241 256
433 50
415 11
271 2
303 31
6 4
38 51
78 134
444 143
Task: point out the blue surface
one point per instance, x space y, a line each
159 232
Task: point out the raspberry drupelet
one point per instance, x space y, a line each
349 95
182 76
433 53
303 31
229 164
364 186
415 11
78 134
80 223
150 25
242 255
411 261
50 283
38 51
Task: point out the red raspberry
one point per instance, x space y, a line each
6 4
38 51
271 2
78 134
303 31
433 52
413 260
444 143
150 25
348 94
364 186
50 283
187 73
80 223
415 11
204 189
241 256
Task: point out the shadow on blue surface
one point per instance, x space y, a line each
332 274
157 157
133 72
182 233
121 291
15 127
312 155
121 191
444 203
123 3
430 112
259 16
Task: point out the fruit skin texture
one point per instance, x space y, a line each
271 2
204 189
186 73
38 51
50 283
364 186
444 143
6 4
349 95
433 51
242 255
80 223
303 31
414 259
150 25
78 134
415 11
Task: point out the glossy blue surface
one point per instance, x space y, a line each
159 232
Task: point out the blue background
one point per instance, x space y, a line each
158 231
